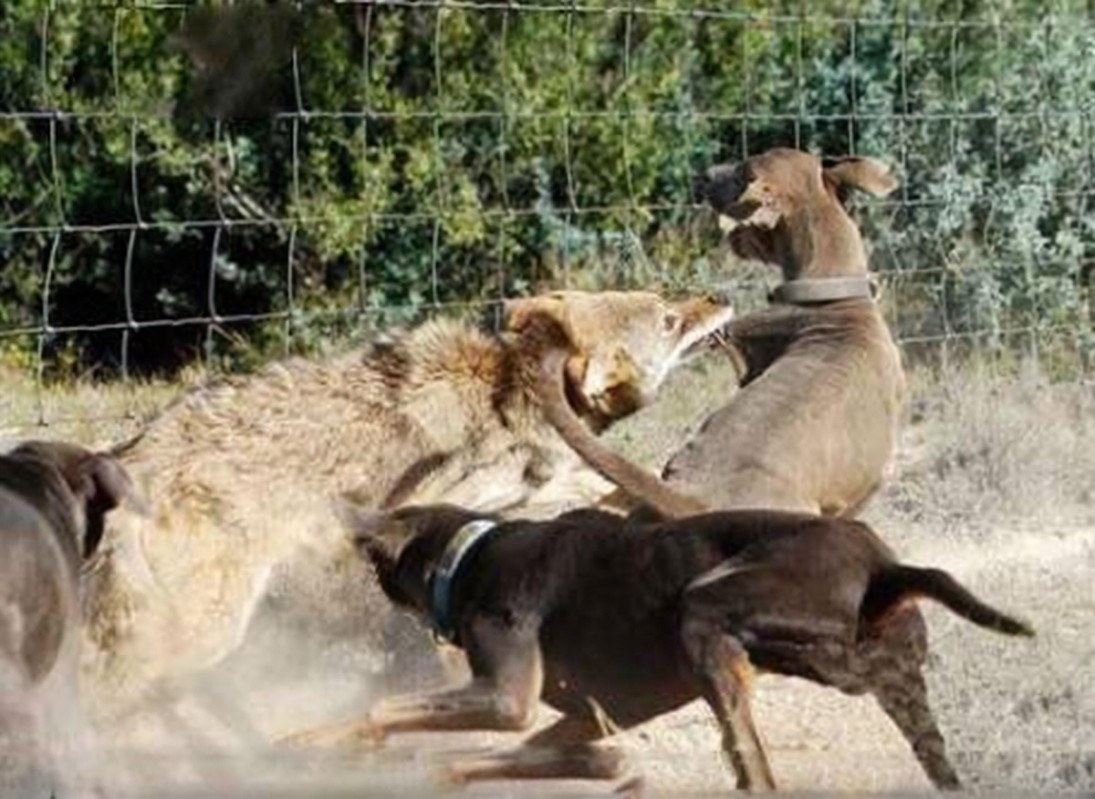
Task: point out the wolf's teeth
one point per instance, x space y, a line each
727 223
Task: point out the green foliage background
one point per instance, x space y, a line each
417 155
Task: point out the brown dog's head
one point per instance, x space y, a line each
787 208
97 483
623 344
404 546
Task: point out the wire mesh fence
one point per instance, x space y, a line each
181 185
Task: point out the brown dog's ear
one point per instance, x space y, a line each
859 172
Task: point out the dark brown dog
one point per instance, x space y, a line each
613 623
815 421
53 498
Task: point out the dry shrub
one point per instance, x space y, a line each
978 447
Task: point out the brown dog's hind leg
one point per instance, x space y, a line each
724 671
897 683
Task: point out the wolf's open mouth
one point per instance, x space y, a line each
715 338
710 336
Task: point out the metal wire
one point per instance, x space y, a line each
632 207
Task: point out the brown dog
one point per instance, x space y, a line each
815 421
613 622
241 474
53 499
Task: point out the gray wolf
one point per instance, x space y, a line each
240 474
614 622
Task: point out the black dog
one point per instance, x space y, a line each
615 622
53 498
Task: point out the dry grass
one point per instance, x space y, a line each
994 481
91 413
979 451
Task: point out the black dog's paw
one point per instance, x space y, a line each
633 787
358 735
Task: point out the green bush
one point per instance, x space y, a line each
412 155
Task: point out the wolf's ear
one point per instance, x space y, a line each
859 172
544 319
520 312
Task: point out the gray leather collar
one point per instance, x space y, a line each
809 291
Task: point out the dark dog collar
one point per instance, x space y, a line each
467 540
809 291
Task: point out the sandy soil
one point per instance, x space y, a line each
993 482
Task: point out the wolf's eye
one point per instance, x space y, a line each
671 321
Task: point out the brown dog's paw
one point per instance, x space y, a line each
357 735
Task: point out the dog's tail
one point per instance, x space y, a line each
899 583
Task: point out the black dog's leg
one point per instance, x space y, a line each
723 667
574 762
565 750
503 694
895 679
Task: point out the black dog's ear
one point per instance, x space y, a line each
111 486
412 479
364 524
374 532
358 521
108 486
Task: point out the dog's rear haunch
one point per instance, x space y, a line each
53 500
614 623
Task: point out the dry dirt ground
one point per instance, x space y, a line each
994 481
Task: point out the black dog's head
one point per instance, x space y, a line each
405 545
97 484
